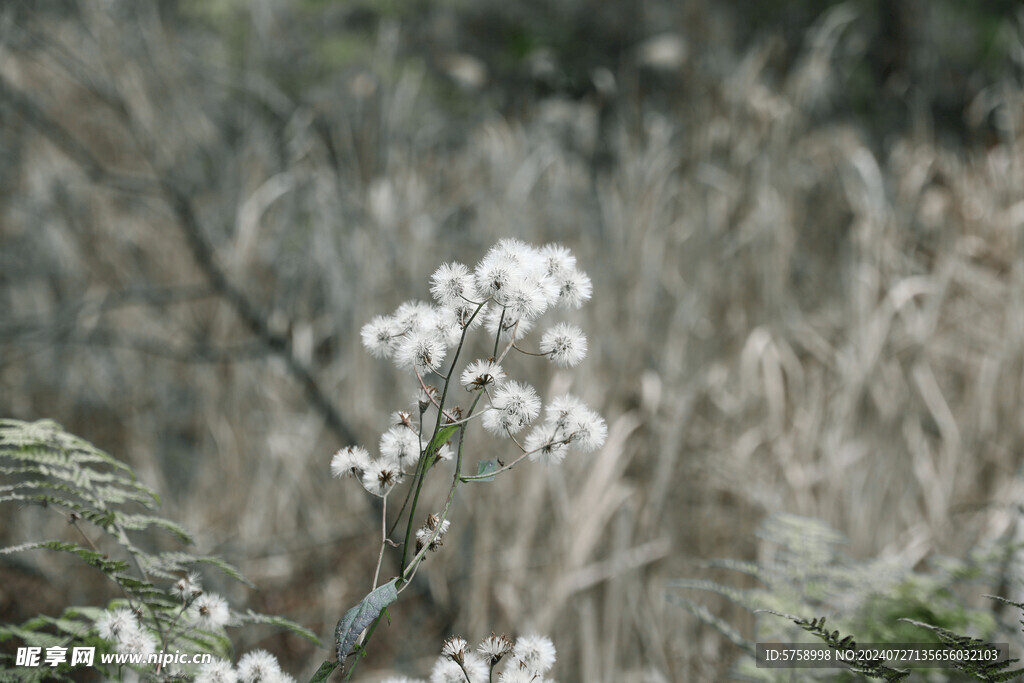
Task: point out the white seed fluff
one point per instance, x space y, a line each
210 611
452 283
349 461
515 405
400 445
535 653
565 344
381 476
482 373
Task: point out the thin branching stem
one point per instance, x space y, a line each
383 539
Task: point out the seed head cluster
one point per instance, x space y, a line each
529 660
508 292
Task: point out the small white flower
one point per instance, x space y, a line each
564 409
422 350
210 611
447 671
401 445
445 453
586 429
381 476
424 533
402 418
381 336
514 406
217 671
493 275
411 315
188 587
137 642
116 625
493 648
565 344
574 288
589 431
452 283
558 261
535 653
525 299
482 373
258 666
349 461
455 649
545 443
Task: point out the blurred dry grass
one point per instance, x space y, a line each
786 318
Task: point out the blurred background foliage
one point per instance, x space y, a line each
802 220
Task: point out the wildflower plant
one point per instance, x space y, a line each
501 300
163 608
528 660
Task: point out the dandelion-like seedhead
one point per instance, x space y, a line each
493 648
508 292
427 531
258 666
565 344
534 653
117 624
526 661
210 611
490 311
188 588
350 461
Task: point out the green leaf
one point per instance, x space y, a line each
440 438
324 672
357 619
488 467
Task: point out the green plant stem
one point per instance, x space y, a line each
404 580
421 472
383 539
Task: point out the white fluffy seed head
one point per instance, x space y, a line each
411 315
589 431
210 612
381 336
400 445
546 443
258 666
448 671
217 671
565 345
349 461
524 299
381 476
535 653
454 649
420 350
117 624
453 283
493 648
557 260
574 288
482 373
515 405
